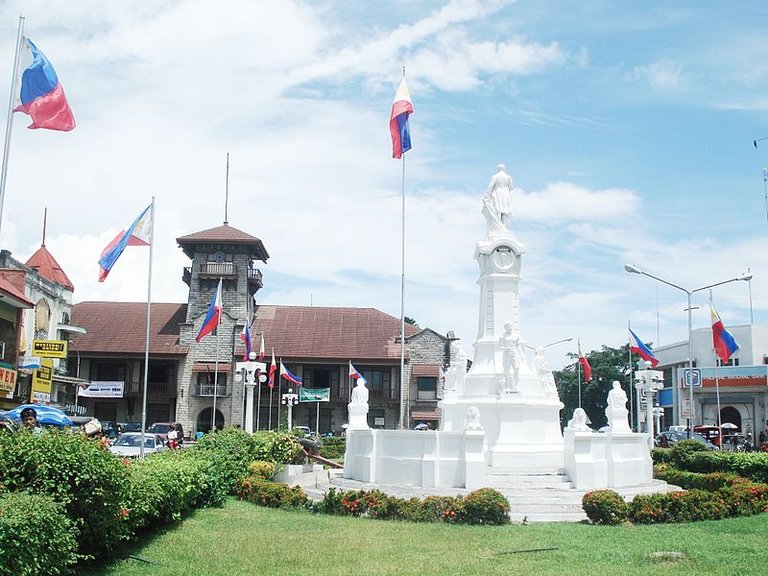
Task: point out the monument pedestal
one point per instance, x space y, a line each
358 417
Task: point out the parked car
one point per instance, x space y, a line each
161 429
130 427
674 436
305 430
129 444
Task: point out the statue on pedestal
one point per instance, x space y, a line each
579 421
472 419
512 356
358 406
497 202
544 373
457 369
616 411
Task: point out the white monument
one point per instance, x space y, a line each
358 407
503 415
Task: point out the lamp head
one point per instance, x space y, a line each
746 277
632 269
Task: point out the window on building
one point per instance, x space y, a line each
426 388
206 384
160 373
107 372
321 377
732 362
376 379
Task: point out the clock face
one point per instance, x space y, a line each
504 257
218 256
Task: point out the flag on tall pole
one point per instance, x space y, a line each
213 316
584 363
725 345
638 347
399 127
353 373
285 373
262 352
41 95
272 370
245 336
137 234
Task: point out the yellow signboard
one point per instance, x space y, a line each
41 382
7 382
49 348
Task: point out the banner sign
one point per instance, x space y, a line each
41 382
49 348
7 382
102 390
314 394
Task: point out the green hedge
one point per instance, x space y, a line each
37 538
88 481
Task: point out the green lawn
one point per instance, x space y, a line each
241 539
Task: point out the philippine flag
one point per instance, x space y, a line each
585 364
724 343
139 233
353 373
213 316
41 95
272 370
638 347
245 336
402 108
285 373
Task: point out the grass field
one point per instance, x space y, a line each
243 539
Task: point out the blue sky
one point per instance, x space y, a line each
626 127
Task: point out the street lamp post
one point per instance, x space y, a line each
745 277
290 399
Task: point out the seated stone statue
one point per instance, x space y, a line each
616 411
472 419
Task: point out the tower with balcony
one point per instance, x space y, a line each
228 254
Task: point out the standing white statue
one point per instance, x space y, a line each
544 373
497 202
512 356
359 392
616 411
579 421
457 369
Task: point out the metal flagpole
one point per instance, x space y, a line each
149 314
279 390
404 392
9 121
317 419
216 363
631 385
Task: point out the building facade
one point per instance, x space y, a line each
737 391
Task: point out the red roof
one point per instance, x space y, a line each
121 327
224 234
305 332
47 267
15 297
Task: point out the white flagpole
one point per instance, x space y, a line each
9 121
631 386
258 401
279 388
317 419
149 312
216 361
404 403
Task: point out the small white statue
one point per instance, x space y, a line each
359 392
472 419
616 411
544 373
579 421
512 356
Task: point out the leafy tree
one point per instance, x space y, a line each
608 364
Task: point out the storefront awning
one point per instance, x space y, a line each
425 415
210 367
426 370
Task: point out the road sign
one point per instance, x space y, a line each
686 411
687 377
49 348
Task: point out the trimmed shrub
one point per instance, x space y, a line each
271 494
604 507
87 480
277 447
333 448
263 470
36 536
485 506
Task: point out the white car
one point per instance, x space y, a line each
129 444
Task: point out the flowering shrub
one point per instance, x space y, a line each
271 494
604 507
485 506
263 470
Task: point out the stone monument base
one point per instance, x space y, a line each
358 417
